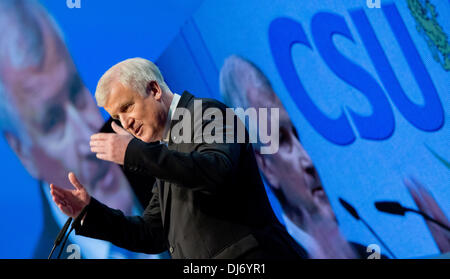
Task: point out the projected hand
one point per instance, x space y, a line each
425 202
71 202
111 146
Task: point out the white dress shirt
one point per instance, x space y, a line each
172 108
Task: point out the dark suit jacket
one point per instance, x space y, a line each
208 201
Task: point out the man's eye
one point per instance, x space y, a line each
126 108
78 99
53 118
283 136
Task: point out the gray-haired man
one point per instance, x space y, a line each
209 200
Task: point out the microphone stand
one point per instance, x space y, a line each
429 218
60 236
75 223
393 207
350 209
377 237
64 243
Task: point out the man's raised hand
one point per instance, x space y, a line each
71 202
111 146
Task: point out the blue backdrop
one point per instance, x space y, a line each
330 60
98 35
326 60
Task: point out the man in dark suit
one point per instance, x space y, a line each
208 200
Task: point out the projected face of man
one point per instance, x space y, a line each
291 170
58 116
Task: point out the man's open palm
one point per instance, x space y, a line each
71 202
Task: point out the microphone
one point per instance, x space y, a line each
396 208
75 223
390 207
350 209
60 236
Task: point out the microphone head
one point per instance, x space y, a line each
390 207
349 208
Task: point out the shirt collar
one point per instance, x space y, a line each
172 108
302 237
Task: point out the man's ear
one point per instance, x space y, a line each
24 157
267 168
154 89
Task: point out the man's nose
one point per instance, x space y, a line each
306 162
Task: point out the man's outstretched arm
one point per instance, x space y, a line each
143 234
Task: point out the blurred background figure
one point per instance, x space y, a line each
47 116
289 173
292 177
426 203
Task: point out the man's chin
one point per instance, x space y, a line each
147 139
143 139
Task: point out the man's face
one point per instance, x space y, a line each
143 117
291 170
296 175
59 116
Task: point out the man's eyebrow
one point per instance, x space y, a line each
120 107
124 105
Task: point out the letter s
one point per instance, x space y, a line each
283 34
380 124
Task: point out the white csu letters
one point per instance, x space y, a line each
220 128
